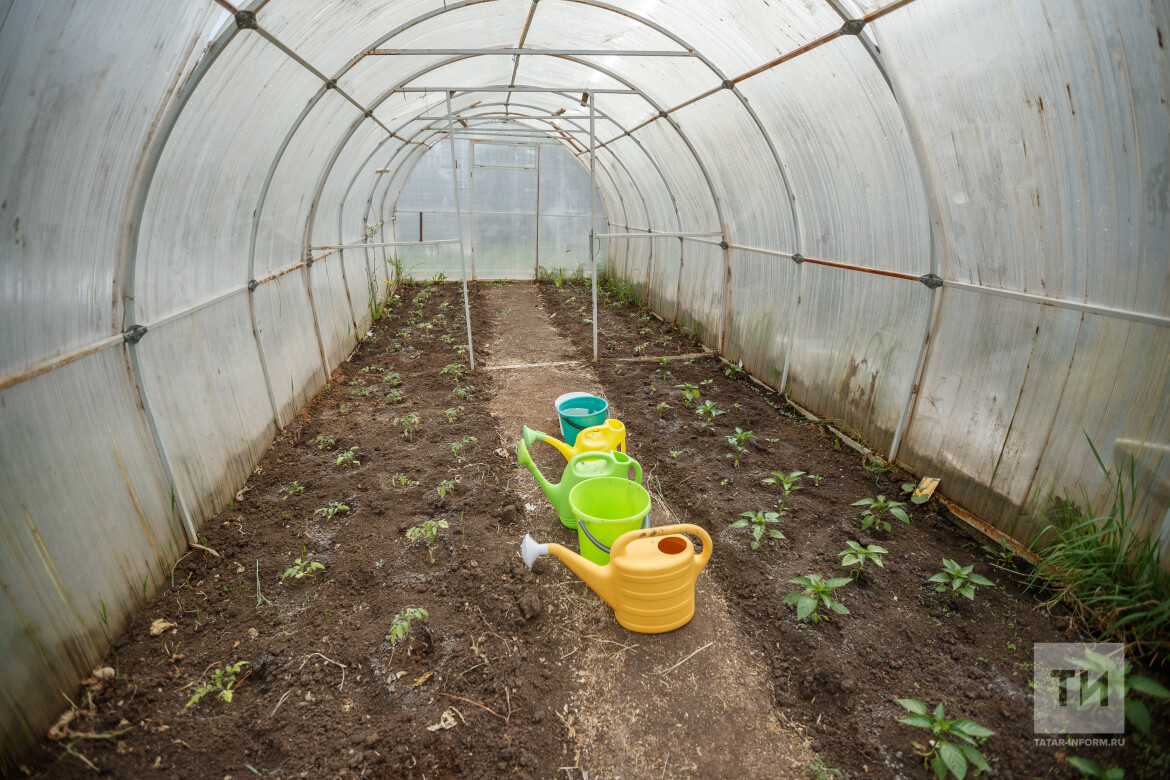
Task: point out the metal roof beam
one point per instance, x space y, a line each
530 52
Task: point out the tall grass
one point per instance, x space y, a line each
1104 570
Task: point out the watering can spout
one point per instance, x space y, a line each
599 578
524 459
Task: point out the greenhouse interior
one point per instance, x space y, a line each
585 388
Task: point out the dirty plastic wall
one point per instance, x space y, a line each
945 224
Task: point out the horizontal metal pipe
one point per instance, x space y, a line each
861 268
501 116
46 366
389 243
758 251
523 88
658 235
1106 311
538 52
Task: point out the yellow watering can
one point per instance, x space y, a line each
608 436
649 580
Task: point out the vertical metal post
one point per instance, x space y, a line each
536 272
592 217
471 201
459 223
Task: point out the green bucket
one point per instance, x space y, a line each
606 508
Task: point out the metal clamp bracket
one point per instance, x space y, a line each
798 258
252 285
662 115
728 84
331 84
246 20
932 281
134 334
724 245
853 27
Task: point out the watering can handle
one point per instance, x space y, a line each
619 546
583 457
584 528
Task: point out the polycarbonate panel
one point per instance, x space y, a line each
763 292
504 246
743 170
428 187
79 473
203 378
564 182
288 337
859 196
281 234
855 347
370 77
193 224
503 191
692 194
564 243
1050 183
700 290
741 36
74 141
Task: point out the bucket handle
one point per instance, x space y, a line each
666 530
584 526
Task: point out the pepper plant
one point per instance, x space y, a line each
787 483
955 742
758 521
877 508
962 579
708 410
855 554
737 440
816 593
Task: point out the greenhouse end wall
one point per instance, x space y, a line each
944 224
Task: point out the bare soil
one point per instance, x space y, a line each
524 673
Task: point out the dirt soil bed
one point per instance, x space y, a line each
487 685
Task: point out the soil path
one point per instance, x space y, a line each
713 715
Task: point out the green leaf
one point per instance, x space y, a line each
775 534
878 561
863 502
1113 773
805 581
739 524
979 579
1147 686
940 577
971 728
915 706
953 758
900 514
793 597
805 607
921 721
1137 714
939 766
968 591
837 582
873 548
1084 766
939 711
975 758
849 560
839 608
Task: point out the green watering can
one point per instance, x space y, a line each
586 465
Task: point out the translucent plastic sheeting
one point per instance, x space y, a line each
665 270
835 125
763 292
288 337
747 173
192 222
700 290
214 436
1006 426
80 481
57 283
688 187
665 80
369 78
1050 170
854 358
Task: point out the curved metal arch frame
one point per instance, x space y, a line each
617 158
719 213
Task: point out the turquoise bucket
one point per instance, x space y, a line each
579 411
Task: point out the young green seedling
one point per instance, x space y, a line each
909 487
708 411
400 623
344 408
821 770
759 526
445 487
222 680
816 479
401 480
394 397
941 754
295 489
331 511
876 508
452 414
409 423
394 379
301 569
662 407
455 370
463 393
788 486
1092 769
689 393
427 530
856 555
458 447
324 442
816 593
737 440
961 579
348 459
